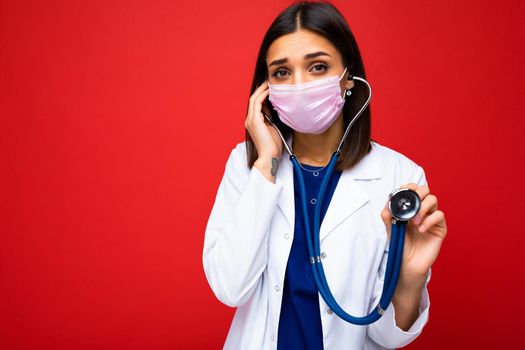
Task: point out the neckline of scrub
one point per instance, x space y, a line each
313 167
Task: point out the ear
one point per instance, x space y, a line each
349 84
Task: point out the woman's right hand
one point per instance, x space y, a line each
266 139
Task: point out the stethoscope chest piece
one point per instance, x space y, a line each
404 204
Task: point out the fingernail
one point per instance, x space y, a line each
422 228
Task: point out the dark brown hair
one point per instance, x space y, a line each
324 19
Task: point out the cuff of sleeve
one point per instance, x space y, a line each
256 175
393 336
417 326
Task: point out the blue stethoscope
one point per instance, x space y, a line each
403 204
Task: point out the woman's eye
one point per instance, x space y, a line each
319 67
277 73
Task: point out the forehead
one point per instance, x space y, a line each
297 44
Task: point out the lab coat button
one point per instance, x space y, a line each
273 337
329 311
286 235
276 287
313 201
323 255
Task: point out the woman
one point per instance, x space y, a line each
255 256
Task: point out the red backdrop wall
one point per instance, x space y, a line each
117 118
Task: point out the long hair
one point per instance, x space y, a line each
323 19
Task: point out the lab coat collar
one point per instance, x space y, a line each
348 196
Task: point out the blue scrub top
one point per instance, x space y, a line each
300 319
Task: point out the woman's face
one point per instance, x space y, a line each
304 56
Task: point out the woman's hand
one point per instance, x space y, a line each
424 235
265 137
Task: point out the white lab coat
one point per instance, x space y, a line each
250 232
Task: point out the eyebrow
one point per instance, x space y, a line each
306 57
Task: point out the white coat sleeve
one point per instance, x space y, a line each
384 331
235 249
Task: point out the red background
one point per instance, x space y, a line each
117 118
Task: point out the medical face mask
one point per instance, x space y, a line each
310 107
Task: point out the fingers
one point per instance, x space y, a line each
428 214
428 206
427 203
435 218
260 90
256 105
422 191
263 86
257 98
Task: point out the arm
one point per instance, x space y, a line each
406 301
386 331
409 288
236 239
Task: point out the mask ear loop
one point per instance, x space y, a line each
342 75
347 91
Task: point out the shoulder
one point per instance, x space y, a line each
238 156
397 166
389 156
240 149
237 163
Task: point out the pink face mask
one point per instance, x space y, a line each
309 107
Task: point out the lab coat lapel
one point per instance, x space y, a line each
349 195
347 198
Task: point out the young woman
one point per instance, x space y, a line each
255 253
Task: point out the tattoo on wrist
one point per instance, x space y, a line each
275 165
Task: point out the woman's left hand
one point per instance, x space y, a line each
424 235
